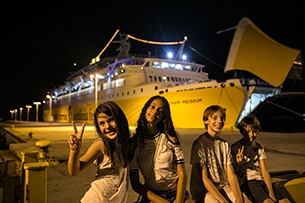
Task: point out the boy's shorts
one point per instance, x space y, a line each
259 191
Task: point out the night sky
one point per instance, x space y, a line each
43 42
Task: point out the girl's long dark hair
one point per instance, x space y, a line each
164 126
120 149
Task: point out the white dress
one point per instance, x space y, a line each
110 186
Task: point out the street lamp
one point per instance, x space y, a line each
50 103
96 79
16 114
21 113
28 112
37 104
12 113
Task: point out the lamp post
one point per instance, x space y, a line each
16 114
21 113
12 114
37 104
96 79
28 111
50 103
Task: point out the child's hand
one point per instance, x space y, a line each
75 140
240 155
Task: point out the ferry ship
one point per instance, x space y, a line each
130 80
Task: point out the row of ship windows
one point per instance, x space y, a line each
118 94
121 81
167 79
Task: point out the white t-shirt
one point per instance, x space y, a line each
163 176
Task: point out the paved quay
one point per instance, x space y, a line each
285 151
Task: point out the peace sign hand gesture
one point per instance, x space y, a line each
239 155
75 139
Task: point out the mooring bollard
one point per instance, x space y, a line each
10 182
35 183
34 172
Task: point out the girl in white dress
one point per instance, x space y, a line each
111 153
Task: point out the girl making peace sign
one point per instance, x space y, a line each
111 153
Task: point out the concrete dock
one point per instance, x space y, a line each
285 152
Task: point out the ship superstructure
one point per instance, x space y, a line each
130 80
